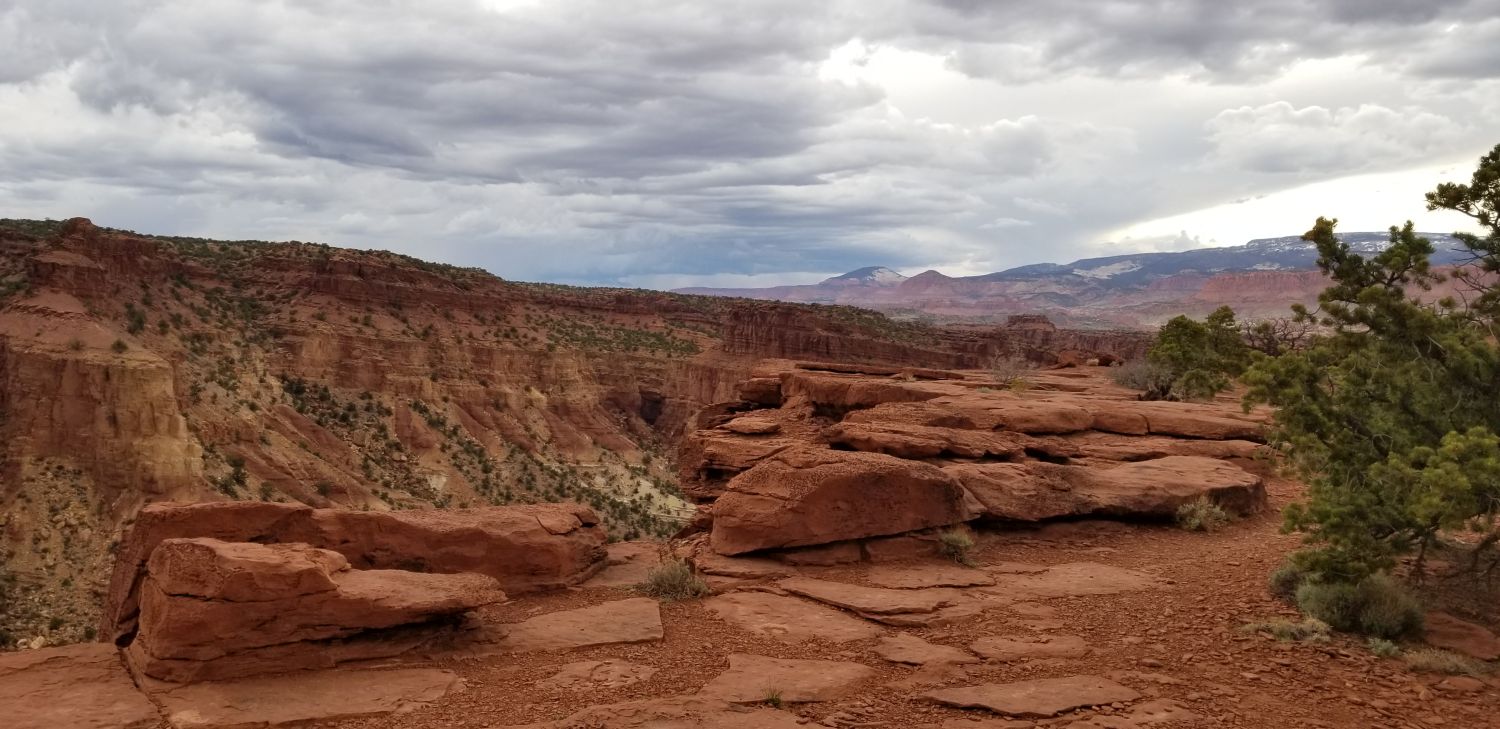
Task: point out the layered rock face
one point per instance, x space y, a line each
521 548
831 455
214 610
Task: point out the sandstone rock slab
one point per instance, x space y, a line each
905 440
526 547
908 648
744 568
752 679
928 574
302 698
1067 580
871 600
1020 648
83 686
805 496
1445 631
679 712
213 610
635 620
789 619
1156 488
628 564
1036 698
594 675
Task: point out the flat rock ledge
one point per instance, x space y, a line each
1039 698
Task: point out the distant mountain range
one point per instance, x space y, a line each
1259 279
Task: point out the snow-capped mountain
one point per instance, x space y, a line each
1259 279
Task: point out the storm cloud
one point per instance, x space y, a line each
667 142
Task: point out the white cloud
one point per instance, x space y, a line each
588 141
1279 138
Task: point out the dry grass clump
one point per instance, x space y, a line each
1202 515
1310 630
673 580
1433 660
957 545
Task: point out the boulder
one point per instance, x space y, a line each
526 548
805 497
213 610
1039 491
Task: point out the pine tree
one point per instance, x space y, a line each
1390 415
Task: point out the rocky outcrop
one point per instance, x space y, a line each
804 497
1153 488
843 464
213 610
523 548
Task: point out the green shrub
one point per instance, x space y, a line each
1374 606
119 346
1286 579
1201 515
673 579
773 698
956 544
1433 660
1383 648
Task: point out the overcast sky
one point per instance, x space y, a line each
667 143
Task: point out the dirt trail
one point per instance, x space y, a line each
1178 639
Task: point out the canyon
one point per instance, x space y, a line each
873 545
137 369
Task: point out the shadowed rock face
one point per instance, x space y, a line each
523 548
850 456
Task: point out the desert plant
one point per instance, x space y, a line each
1201 515
1152 380
956 544
1383 648
772 698
1374 606
1285 580
672 580
1433 660
1009 372
1310 630
119 346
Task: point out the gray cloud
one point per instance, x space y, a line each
585 141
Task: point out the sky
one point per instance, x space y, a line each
667 143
